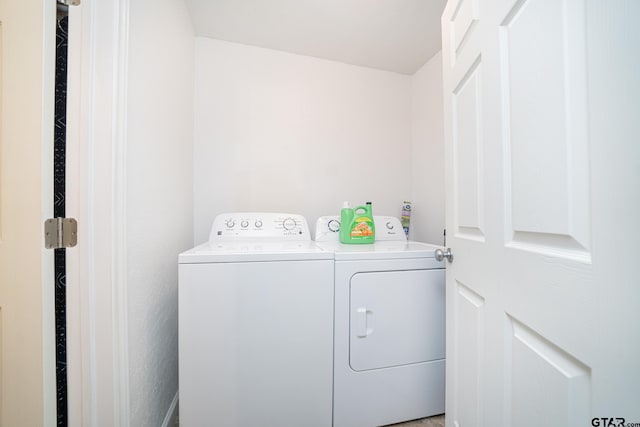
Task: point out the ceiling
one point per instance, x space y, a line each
392 35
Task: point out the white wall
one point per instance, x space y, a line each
427 153
281 132
159 203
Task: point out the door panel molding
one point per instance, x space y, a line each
538 372
546 166
468 154
465 17
469 325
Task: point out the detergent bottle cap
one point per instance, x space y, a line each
345 205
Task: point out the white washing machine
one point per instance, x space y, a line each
389 338
256 325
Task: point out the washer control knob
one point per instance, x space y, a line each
289 223
230 223
258 223
244 223
334 225
389 225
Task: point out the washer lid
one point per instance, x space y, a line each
380 250
213 252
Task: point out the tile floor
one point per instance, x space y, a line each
437 421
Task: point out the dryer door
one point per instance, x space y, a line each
397 318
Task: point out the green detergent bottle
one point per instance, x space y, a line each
356 224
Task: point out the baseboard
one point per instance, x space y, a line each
172 413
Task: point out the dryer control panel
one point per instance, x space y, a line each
259 226
388 228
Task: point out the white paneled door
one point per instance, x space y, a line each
543 178
27 66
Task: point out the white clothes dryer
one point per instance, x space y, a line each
255 325
389 338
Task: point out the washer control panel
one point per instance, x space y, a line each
388 228
259 226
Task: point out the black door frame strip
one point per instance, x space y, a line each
59 184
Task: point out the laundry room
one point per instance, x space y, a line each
206 125
513 130
278 129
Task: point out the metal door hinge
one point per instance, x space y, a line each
69 2
60 233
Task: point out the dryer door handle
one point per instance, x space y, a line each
362 317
